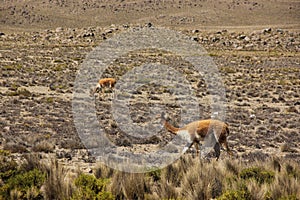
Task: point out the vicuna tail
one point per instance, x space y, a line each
171 128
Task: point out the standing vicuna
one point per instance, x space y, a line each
110 82
198 130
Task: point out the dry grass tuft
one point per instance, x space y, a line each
129 186
190 178
187 178
57 184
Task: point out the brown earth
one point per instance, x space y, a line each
255 45
201 14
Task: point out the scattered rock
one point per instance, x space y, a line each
267 30
195 39
59 29
241 37
292 109
252 80
279 31
6 128
247 39
195 31
149 25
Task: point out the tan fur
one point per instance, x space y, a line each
199 129
105 82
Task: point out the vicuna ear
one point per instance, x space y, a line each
98 86
164 116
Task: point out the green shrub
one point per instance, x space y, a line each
89 187
290 197
4 152
8 167
6 174
242 193
258 174
235 195
155 174
49 100
12 67
59 67
24 185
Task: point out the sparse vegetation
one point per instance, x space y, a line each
258 174
187 178
89 187
241 194
57 184
23 185
20 92
40 62
15 148
59 67
7 165
43 146
12 67
49 100
228 70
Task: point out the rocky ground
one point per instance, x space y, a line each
260 68
48 14
260 71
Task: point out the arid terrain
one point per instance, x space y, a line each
254 44
49 14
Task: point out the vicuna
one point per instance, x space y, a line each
105 82
198 130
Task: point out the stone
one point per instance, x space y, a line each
247 39
249 46
59 29
267 30
195 39
241 37
279 31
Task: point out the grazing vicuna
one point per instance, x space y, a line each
105 82
198 130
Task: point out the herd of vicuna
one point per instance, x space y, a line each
197 130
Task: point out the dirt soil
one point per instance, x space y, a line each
255 45
203 14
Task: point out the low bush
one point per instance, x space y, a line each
89 187
235 195
23 185
258 174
